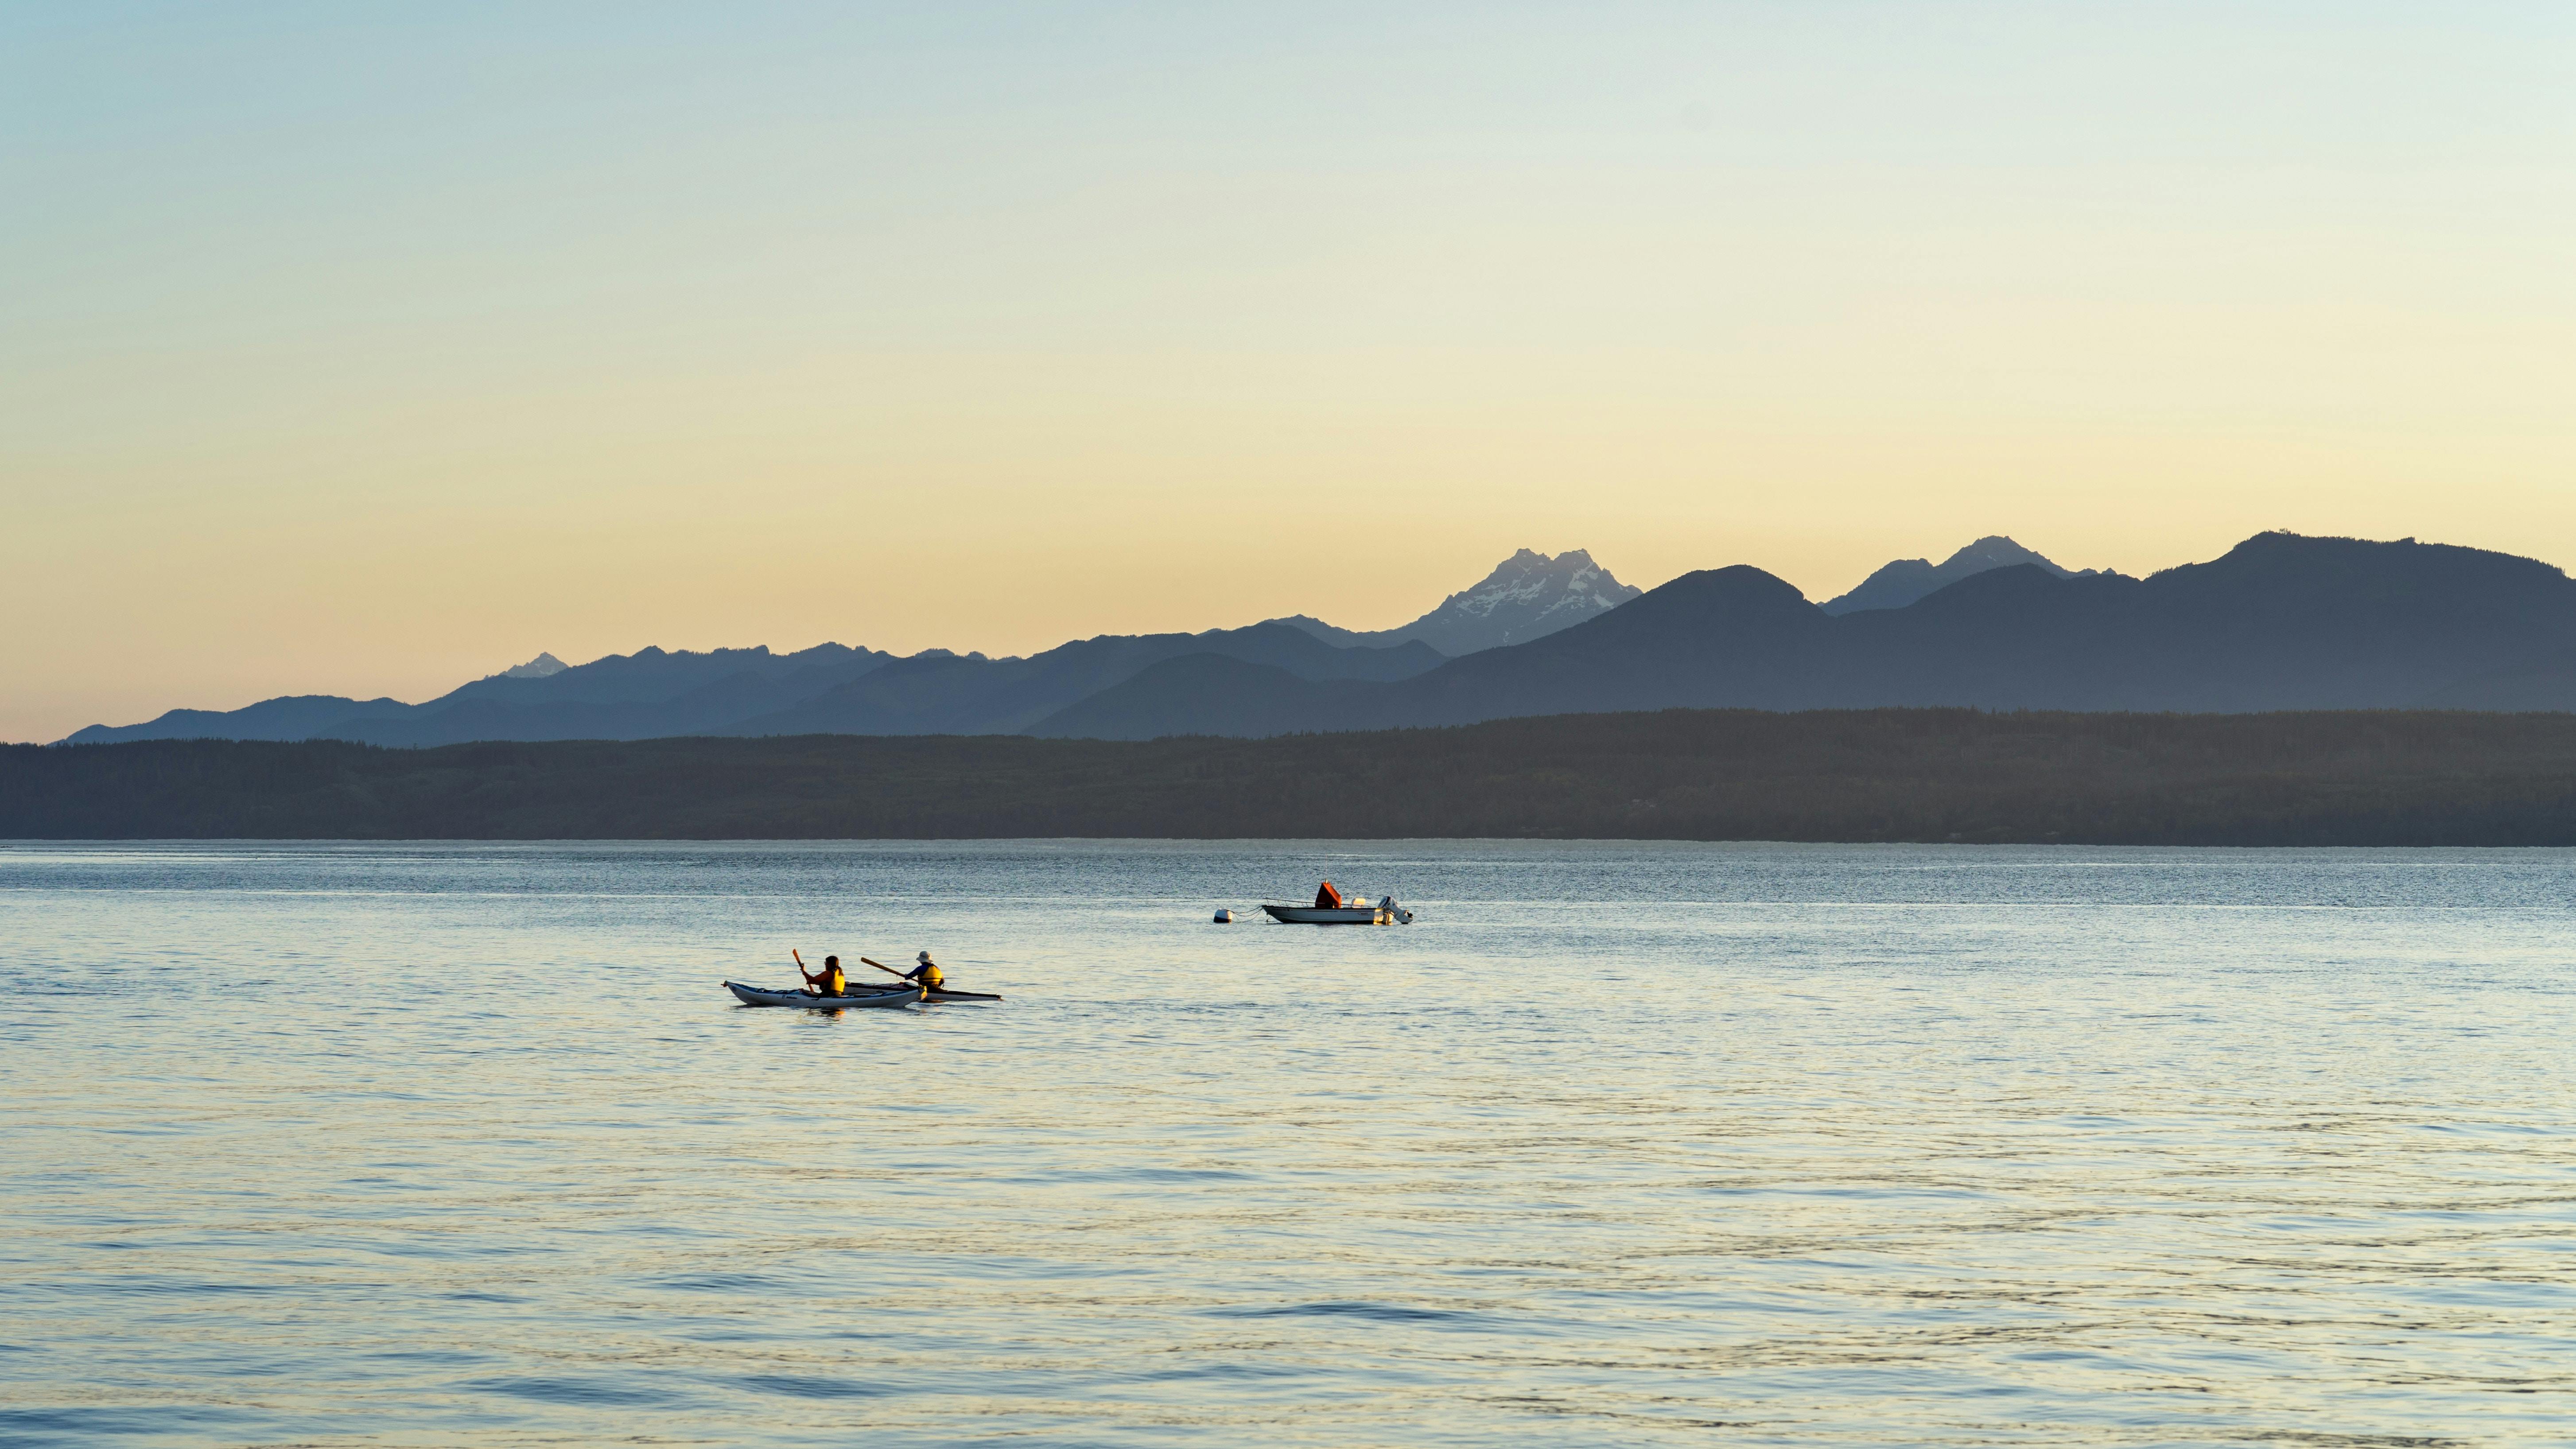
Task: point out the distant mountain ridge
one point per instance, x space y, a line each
947 695
1905 580
828 689
649 693
653 692
2280 623
1527 596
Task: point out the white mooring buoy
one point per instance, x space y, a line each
1225 918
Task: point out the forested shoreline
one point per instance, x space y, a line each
2321 778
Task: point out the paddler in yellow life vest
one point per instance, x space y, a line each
926 975
827 982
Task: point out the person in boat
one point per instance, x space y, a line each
1329 898
927 975
827 982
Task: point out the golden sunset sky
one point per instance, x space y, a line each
369 349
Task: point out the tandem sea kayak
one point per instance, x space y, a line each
758 996
755 996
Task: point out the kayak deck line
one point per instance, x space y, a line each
935 997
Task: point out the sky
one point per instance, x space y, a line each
366 350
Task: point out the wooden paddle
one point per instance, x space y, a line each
944 991
899 976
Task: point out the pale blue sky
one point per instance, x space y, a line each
365 349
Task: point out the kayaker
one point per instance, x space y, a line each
827 982
926 975
1329 898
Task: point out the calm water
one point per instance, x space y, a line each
1617 1144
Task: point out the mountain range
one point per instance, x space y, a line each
2280 622
834 689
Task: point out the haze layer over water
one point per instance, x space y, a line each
1616 1144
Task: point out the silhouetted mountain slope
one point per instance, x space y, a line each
1527 596
2281 622
623 696
829 689
1004 696
1207 694
1615 662
1900 583
288 717
643 695
654 676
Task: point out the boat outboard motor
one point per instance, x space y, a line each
1402 916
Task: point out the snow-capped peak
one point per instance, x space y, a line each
537 668
1526 596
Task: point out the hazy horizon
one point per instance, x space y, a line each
369 353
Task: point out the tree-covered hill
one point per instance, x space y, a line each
2329 778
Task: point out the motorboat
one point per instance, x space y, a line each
1385 913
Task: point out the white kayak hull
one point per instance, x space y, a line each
755 996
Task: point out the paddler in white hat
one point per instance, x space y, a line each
927 975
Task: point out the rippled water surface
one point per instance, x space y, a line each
1615 1144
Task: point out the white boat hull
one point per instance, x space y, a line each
1378 915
